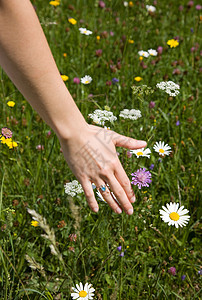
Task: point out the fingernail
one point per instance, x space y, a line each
118 210
130 211
133 199
95 209
143 143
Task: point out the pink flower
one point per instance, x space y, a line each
101 4
39 147
172 271
129 154
152 104
76 80
108 83
98 52
160 49
198 7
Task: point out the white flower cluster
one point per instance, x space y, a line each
132 114
101 116
151 52
73 188
150 8
169 87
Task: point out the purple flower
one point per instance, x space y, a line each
198 7
122 254
160 50
172 271
190 3
98 52
192 30
129 154
141 178
200 272
177 123
181 7
183 277
115 80
119 248
76 80
6 132
151 167
152 104
101 4
160 160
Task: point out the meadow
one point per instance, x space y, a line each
51 241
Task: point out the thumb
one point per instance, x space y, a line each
127 142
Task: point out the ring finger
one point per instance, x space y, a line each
104 191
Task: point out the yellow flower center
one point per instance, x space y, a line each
174 216
82 294
161 151
87 81
140 153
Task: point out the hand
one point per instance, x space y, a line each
91 155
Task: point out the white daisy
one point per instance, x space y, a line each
152 52
86 79
83 293
150 8
141 152
173 215
162 149
143 53
85 31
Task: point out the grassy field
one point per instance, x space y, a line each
123 257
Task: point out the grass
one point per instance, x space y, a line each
35 179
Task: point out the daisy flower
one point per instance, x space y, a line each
150 8
161 148
152 52
141 178
141 152
143 53
83 293
85 31
173 215
86 79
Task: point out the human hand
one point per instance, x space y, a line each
91 155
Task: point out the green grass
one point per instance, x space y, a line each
35 179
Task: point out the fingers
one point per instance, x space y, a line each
124 181
105 193
90 197
121 195
127 142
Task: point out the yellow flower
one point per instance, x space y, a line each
131 3
3 140
64 77
65 54
141 58
98 37
138 78
11 103
11 144
54 3
131 41
72 21
172 43
35 223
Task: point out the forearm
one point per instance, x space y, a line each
26 58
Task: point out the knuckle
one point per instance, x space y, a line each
125 183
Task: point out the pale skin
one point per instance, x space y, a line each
90 151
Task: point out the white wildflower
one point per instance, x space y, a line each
86 79
143 53
150 8
132 114
85 31
152 52
73 188
101 116
169 87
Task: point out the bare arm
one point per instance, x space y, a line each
26 58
